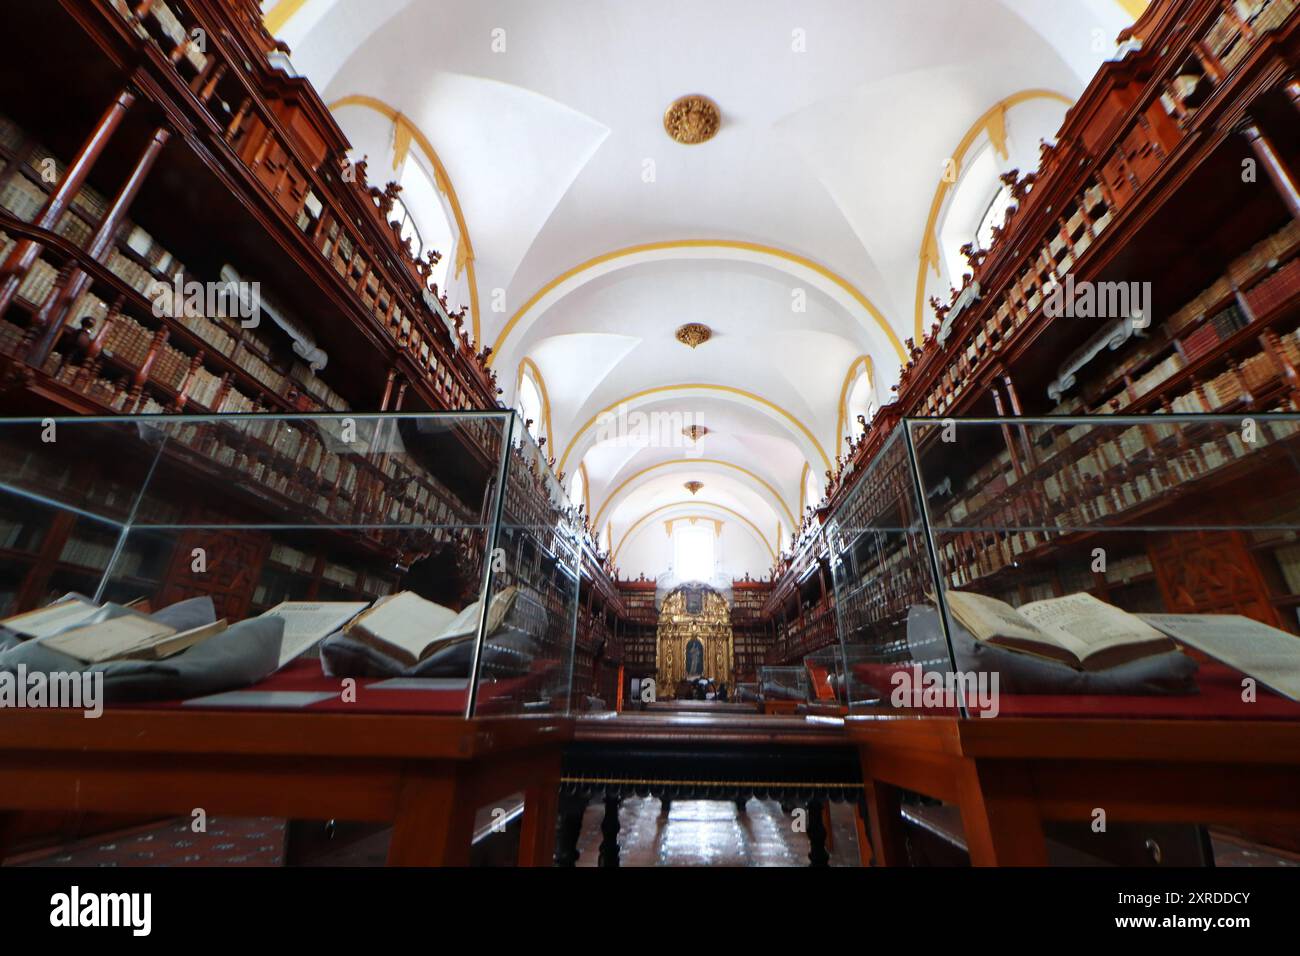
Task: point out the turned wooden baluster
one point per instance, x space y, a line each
94 354
183 395
237 122
27 346
25 252
205 84
222 390
136 394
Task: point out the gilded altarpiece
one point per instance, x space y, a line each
694 639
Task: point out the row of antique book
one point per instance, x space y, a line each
1086 216
144 263
1088 488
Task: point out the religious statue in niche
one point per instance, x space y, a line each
694 658
694 639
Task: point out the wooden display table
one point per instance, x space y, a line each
1008 775
426 775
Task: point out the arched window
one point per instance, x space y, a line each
811 491
421 211
860 400
578 487
529 404
693 551
979 202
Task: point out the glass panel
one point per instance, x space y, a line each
895 652
343 515
63 505
1167 526
526 662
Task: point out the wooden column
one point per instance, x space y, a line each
1282 179
1292 88
25 251
388 390
53 313
1016 465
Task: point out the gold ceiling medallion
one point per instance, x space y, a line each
694 334
695 432
693 486
692 119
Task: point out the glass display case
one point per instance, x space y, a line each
1105 567
400 562
783 684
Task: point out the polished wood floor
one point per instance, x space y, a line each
712 833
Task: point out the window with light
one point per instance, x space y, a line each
694 552
423 217
530 405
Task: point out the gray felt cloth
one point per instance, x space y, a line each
1165 674
242 654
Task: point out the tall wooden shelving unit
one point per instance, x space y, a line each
1143 183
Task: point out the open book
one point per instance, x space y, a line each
128 637
1077 629
51 619
409 628
306 622
1269 655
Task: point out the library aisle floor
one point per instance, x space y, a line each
713 833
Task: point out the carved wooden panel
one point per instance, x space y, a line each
231 566
1210 572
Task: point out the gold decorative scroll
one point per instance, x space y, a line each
677 628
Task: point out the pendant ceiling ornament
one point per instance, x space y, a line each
694 334
691 120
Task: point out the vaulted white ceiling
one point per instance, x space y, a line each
795 234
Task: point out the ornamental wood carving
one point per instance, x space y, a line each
693 615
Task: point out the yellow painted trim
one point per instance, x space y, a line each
698 244
1134 8
697 461
681 388
281 14
843 420
803 488
716 522
632 528
443 181
929 241
536 375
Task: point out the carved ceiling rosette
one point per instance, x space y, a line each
691 120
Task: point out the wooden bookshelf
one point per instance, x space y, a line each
1143 183
147 160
